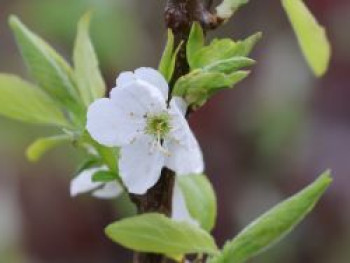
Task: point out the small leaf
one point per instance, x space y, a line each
104 176
23 101
227 66
195 43
228 7
246 46
157 233
197 87
311 36
274 224
200 199
167 64
37 149
90 82
50 70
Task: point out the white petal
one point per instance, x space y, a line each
124 78
185 153
155 78
111 125
83 183
138 98
108 191
139 165
179 207
180 103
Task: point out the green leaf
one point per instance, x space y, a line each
195 43
104 176
90 81
167 63
200 199
197 87
274 224
50 70
311 36
228 7
37 149
159 234
246 46
229 65
23 101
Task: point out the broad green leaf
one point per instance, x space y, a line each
50 70
274 224
311 35
197 87
167 62
37 149
229 65
195 43
104 176
219 49
228 7
159 234
90 82
200 199
23 101
246 46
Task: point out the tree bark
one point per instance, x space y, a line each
179 16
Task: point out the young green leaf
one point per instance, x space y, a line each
200 199
167 64
159 234
195 43
38 148
311 36
50 70
230 65
90 81
274 224
23 101
228 7
104 176
197 87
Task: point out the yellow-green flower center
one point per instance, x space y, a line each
158 125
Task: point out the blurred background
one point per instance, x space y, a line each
262 142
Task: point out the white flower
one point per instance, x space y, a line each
83 183
150 132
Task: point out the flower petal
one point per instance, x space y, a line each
124 78
155 78
185 153
137 99
110 125
180 211
140 165
108 191
180 103
83 183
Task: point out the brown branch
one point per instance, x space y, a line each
179 16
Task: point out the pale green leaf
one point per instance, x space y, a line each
104 176
90 81
200 199
49 69
195 43
274 224
197 87
159 234
228 7
38 148
167 62
227 66
23 101
311 35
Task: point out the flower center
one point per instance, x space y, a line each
158 125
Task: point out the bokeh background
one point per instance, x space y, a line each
262 142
